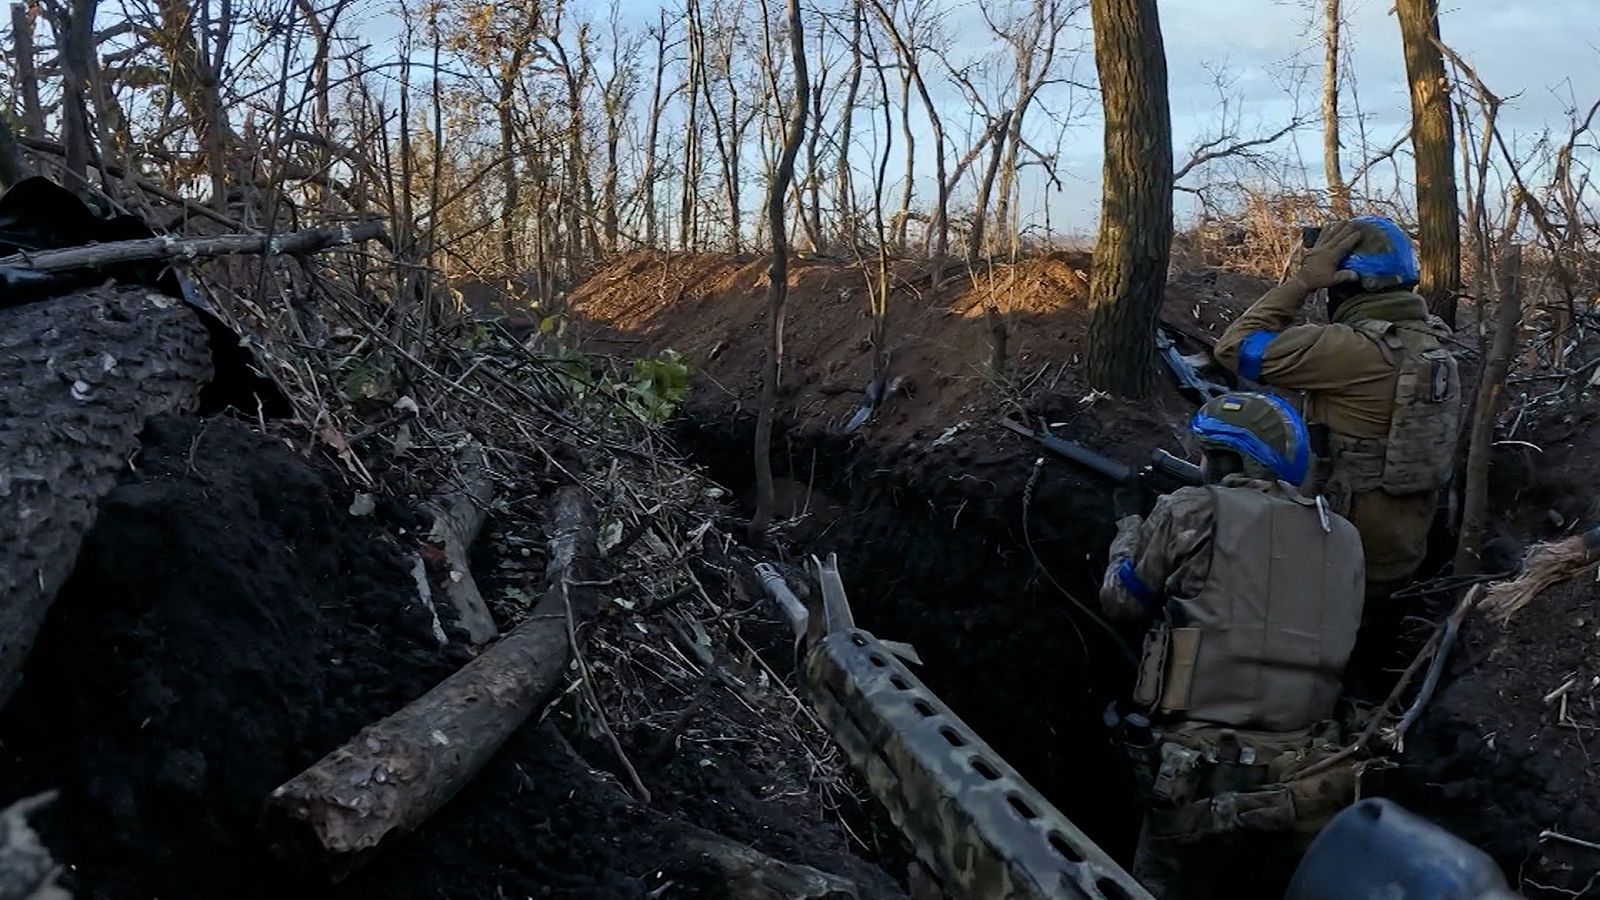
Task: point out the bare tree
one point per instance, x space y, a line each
1433 146
27 76
846 188
938 232
647 182
617 95
778 273
1338 191
997 142
1130 255
1033 49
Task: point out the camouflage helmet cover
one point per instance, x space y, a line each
1385 257
1259 427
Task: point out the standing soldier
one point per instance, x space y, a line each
1255 595
1382 391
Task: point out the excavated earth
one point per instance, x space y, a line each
949 536
229 622
952 539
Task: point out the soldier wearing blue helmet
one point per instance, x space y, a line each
1254 593
1381 388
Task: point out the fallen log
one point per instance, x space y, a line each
309 240
394 774
79 377
458 516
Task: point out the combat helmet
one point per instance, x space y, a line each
1385 258
1264 431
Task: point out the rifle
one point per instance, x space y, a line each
1163 474
1189 379
976 826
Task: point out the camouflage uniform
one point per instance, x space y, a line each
1380 380
1257 593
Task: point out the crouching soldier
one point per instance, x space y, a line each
1255 596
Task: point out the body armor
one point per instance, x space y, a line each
1418 454
1264 644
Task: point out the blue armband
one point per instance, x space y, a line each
1251 351
1135 585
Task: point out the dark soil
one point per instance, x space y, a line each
1490 760
229 622
1493 763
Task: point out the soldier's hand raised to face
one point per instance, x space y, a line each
1320 269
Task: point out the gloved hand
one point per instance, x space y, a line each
1320 269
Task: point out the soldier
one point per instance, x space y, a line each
1255 593
1382 391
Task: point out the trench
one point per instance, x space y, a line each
935 554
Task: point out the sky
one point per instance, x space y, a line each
1543 55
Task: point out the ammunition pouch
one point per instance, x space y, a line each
1194 794
1166 668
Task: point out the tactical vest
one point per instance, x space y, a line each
1418 455
1264 644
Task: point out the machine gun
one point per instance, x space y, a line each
1163 474
977 827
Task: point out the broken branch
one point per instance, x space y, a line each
396 773
458 516
309 240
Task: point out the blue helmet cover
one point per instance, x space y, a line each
1399 261
1291 469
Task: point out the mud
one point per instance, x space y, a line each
229 622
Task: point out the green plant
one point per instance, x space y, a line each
657 387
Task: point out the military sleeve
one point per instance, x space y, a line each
1147 553
1260 345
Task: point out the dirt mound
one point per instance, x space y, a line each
712 309
228 623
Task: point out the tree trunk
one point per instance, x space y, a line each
778 274
458 517
1433 145
1130 254
846 189
730 182
1491 383
980 210
27 77
77 46
814 157
1338 191
902 217
691 149
510 180
647 186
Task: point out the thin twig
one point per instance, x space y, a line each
640 790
